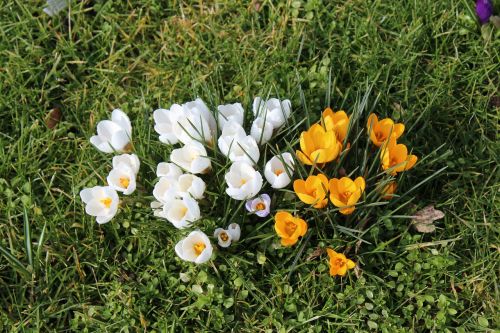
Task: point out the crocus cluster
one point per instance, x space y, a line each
112 136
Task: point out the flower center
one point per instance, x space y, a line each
339 262
380 136
223 235
278 172
199 247
290 227
183 211
124 182
243 181
260 206
106 202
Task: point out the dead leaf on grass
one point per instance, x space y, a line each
53 117
423 220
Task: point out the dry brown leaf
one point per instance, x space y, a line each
53 117
314 254
423 220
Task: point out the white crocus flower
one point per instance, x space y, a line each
180 212
262 130
165 169
223 237
113 135
230 112
279 169
272 110
167 188
235 231
197 123
236 145
196 247
243 181
191 185
164 123
122 179
192 158
101 202
131 160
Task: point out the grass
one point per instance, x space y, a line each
428 64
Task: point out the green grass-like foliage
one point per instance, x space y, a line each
425 63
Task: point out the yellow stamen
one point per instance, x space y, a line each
124 182
106 202
184 211
278 172
290 227
224 236
260 206
243 181
198 248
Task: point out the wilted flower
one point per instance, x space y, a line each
122 179
345 193
192 185
101 202
196 247
113 135
236 145
313 190
389 190
279 169
131 160
225 237
337 122
243 181
339 264
395 158
180 212
230 112
289 228
165 169
318 146
260 206
192 158
484 9
380 131
273 110
262 130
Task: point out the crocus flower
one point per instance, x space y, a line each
101 202
229 112
164 123
389 190
345 193
131 160
235 231
236 145
313 190
122 179
192 158
337 122
165 169
113 135
289 228
260 206
196 247
166 189
339 264
380 131
191 185
279 169
318 146
273 110
484 9
243 181
180 212
225 237
262 130
395 158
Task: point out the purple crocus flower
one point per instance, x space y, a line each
484 9
259 206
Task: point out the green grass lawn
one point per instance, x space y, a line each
426 63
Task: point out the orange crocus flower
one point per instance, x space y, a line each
394 157
339 264
313 190
345 193
380 131
337 122
289 228
318 146
389 190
